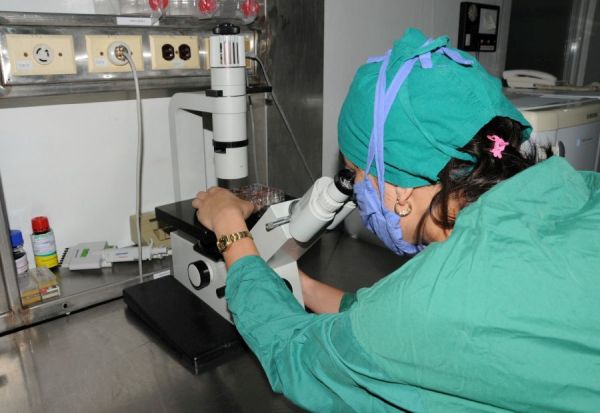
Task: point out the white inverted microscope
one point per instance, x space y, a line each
283 231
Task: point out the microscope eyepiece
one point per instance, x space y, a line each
226 28
344 181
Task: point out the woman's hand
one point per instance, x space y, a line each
218 205
223 213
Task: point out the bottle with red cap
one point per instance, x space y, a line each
43 243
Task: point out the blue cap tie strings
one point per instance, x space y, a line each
384 100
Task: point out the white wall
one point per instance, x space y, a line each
355 30
75 163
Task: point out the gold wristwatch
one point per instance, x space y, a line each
225 241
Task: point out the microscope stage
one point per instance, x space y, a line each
180 216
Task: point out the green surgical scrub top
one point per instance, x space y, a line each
502 316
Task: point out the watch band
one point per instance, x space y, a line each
225 241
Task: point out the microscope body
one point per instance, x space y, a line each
209 147
284 232
209 144
204 273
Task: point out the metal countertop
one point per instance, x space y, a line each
103 359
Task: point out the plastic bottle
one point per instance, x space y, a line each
182 8
44 245
19 254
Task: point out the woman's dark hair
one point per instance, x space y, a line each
463 182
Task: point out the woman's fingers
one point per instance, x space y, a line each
215 203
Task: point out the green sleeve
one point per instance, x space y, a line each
347 300
313 359
502 316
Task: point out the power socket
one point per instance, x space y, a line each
174 52
100 48
117 52
32 55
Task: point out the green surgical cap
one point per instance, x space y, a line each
436 112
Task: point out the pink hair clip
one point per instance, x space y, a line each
499 145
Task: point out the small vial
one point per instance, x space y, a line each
19 254
44 245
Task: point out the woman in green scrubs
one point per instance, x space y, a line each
499 309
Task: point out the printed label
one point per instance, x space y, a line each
43 244
44 249
24 65
48 261
22 265
135 21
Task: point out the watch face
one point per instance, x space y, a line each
226 240
222 243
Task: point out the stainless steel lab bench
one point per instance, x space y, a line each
104 359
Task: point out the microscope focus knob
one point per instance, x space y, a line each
199 274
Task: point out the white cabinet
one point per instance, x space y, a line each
570 126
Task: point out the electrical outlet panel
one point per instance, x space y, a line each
174 52
98 51
32 55
55 54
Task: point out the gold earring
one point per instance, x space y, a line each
402 212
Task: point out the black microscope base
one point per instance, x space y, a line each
199 336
